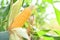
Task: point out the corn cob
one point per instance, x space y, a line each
21 18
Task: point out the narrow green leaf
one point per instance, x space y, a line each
42 32
49 1
56 38
48 38
57 12
58 32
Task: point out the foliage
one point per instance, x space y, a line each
37 27
4 10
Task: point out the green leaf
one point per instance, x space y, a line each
42 9
14 1
49 1
2 3
4 10
57 12
42 32
58 32
48 38
26 24
15 10
56 38
3 14
28 2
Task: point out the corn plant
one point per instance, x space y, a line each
37 27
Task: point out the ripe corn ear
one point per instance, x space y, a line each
21 18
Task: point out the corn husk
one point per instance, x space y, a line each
14 10
18 34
